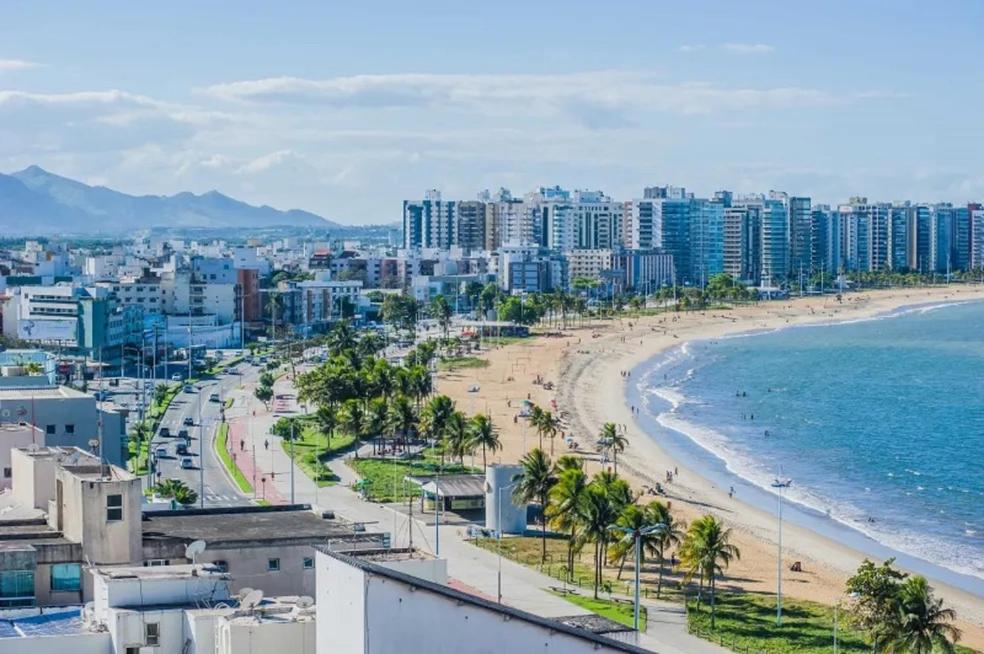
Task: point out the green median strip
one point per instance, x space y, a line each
221 442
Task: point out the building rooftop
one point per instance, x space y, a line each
452 485
245 524
33 622
160 572
40 393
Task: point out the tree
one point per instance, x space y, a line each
434 419
484 435
569 462
458 435
533 484
266 379
354 418
707 551
160 394
441 311
612 440
287 428
402 418
875 588
564 509
919 623
597 516
176 490
632 522
263 393
669 536
327 420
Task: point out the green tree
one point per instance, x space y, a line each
875 588
612 440
597 516
920 624
666 538
707 551
442 311
402 418
434 419
484 434
533 484
354 418
564 508
263 393
458 436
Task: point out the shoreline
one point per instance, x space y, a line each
686 445
586 366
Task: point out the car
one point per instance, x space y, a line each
165 432
188 388
177 376
214 397
181 449
160 452
187 463
188 421
184 434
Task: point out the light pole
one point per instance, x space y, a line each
637 535
498 510
779 483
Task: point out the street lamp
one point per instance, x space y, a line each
637 535
779 483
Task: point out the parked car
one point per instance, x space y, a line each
184 434
160 452
177 376
187 463
188 388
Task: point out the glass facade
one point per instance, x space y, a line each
16 588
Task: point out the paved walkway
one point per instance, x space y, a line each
474 567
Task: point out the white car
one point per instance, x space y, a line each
187 463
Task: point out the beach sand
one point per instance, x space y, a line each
585 365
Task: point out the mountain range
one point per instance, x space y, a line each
34 201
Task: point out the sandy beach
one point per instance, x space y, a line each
585 366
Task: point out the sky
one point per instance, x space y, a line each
348 108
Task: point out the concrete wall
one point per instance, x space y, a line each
34 480
13 436
246 637
99 643
342 592
75 409
83 513
248 568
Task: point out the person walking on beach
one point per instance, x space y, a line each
731 492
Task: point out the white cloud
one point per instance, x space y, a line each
748 48
592 99
7 65
266 162
692 47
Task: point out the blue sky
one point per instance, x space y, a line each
347 108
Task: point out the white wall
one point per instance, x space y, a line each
99 643
341 607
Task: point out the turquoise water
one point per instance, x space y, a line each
879 423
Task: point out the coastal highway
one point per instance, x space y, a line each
205 415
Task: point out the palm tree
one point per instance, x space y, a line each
597 515
354 418
533 484
612 440
484 434
921 625
434 418
327 420
569 462
457 433
550 424
707 551
565 504
536 419
402 418
669 536
377 417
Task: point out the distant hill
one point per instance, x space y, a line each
34 201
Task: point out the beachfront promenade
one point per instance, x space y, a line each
470 567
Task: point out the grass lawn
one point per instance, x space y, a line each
457 363
526 550
747 622
383 479
311 450
619 611
221 448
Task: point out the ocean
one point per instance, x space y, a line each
878 423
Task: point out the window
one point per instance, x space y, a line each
132 650
308 562
156 563
49 429
152 634
273 565
6 473
114 507
16 588
66 577
69 429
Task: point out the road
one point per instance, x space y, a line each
207 475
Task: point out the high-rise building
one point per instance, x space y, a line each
706 241
800 236
741 253
976 212
598 220
920 239
775 243
471 231
430 223
898 236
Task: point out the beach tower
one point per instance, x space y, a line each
499 504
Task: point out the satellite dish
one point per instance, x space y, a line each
251 600
243 592
305 602
193 549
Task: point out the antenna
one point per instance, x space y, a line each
252 599
193 549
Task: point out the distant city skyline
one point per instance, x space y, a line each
346 111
